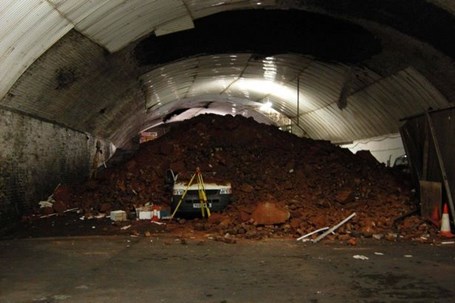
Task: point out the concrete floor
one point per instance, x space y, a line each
125 269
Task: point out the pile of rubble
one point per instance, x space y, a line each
283 185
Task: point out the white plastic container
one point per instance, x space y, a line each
118 215
144 212
145 215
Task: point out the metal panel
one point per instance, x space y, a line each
252 89
173 26
222 65
206 75
211 86
377 108
119 22
27 30
430 199
169 83
91 14
77 10
202 8
115 23
321 84
374 105
282 106
414 137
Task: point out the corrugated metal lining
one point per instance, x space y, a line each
29 27
170 83
374 104
77 10
179 24
203 8
377 108
119 22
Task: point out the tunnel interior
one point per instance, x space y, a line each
334 70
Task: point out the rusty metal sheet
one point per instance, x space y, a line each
427 161
430 198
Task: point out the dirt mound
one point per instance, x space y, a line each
317 182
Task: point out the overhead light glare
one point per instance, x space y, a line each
266 106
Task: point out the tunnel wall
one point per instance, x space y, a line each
35 156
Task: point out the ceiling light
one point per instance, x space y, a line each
266 106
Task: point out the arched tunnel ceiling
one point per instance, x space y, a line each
374 104
361 65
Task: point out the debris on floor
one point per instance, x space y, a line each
118 215
360 257
283 186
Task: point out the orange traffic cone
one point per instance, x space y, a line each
435 219
155 214
445 224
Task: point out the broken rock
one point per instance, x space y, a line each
105 207
247 188
63 194
295 223
269 213
258 161
59 207
46 210
344 196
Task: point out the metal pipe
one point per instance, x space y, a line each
333 228
312 233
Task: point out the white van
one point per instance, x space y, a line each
219 196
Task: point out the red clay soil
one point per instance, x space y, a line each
318 183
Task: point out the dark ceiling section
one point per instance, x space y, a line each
417 18
264 32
